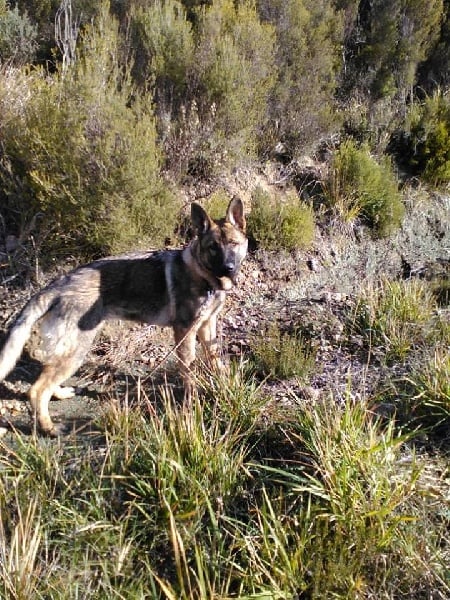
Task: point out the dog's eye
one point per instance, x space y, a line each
214 248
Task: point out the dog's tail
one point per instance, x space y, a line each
21 330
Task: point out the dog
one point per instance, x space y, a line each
182 288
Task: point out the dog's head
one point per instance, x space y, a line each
222 244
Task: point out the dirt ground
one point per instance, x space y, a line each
314 290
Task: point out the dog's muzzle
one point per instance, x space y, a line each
226 283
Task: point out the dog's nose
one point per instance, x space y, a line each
229 268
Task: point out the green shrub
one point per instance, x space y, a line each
233 74
18 36
164 47
358 185
280 221
308 57
82 150
428 139
216 204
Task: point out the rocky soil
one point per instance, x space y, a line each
313 291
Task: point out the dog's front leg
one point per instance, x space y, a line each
185 348
207 335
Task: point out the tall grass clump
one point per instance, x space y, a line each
280 221
135 514
233 397
394 316
428 391
80 153
351 526
283 355
359 186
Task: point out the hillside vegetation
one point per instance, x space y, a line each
317 467
107 109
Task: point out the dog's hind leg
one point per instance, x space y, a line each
40 393
48 384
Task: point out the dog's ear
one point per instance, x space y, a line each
200 219
235 213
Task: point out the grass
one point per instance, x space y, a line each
424 393
189 502
395 316
283 355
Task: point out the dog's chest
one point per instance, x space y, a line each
158 289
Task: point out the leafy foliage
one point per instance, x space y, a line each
277 221
18 36
358 185
427 140
85 155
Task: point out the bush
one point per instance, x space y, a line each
82 151
217 203
280 221
427 139
308 58
233 76
18 37
359 186
164 44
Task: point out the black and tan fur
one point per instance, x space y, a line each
184 289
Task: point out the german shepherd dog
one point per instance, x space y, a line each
184 289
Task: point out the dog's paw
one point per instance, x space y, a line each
56 430
64 392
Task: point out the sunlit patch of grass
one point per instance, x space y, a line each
429 388
394 315
20 546
167 503
233 396
350 524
